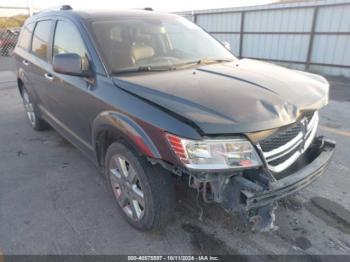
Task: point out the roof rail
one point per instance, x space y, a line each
148 9
62 7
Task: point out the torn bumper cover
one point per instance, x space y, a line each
294 182
256 202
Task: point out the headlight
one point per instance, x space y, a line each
214 154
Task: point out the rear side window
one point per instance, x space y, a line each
41 39
68 40
26 36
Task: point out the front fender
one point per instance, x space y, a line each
127 128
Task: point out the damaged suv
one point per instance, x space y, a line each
151 96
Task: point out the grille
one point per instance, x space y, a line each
283 148
309 115
282 159
280 138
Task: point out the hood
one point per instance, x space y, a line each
235 97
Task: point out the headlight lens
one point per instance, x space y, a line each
215 154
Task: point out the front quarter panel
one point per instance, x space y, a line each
126 128
136 120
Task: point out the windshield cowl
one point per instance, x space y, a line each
199 62
144 69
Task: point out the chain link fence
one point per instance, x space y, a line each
11 21
8 40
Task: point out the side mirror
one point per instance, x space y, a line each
226 45
69 64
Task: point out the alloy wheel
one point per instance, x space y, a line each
127 187
28 106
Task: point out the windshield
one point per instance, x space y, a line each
149 43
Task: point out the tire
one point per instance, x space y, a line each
157 187
31 110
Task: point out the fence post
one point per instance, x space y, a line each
311 41
241 35
194 16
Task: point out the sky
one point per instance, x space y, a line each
159 5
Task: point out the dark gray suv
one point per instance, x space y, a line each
150 97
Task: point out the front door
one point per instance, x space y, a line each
71 97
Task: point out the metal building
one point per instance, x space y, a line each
311 35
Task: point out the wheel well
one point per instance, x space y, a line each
104 139
20 85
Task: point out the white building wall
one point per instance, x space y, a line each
283 33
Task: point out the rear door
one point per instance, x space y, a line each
23 56
39 62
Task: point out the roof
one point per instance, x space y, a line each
96 15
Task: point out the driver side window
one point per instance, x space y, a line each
68 40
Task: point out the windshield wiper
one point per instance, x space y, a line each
210 61
143 69
203 62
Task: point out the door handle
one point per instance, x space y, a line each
25 62
49 77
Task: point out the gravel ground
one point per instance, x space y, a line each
54 201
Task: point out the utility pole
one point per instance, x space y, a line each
30 7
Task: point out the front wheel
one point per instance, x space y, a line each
144 193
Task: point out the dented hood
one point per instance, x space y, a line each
235 97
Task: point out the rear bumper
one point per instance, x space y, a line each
321 156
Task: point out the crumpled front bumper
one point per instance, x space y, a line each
256 201
294 182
